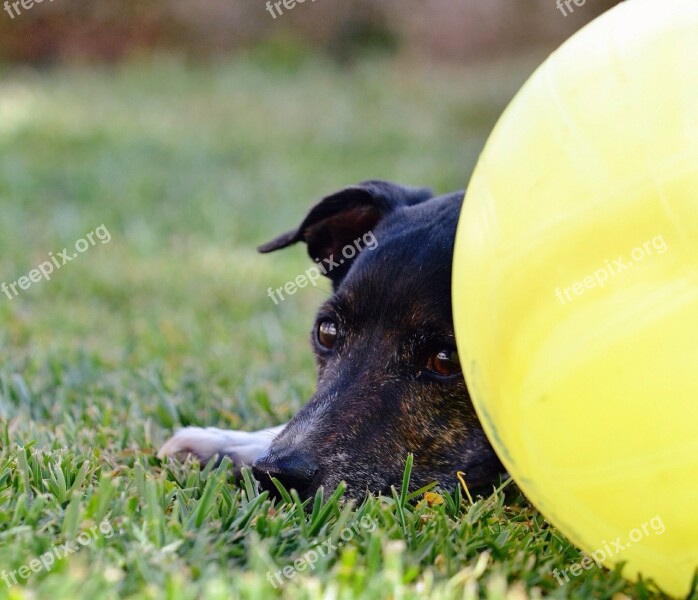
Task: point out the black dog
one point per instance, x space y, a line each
389 379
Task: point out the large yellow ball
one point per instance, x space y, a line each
576 290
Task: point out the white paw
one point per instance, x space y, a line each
242 447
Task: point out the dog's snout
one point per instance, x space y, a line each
294 470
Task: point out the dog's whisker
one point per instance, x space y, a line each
326 292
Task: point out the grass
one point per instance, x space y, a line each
189 168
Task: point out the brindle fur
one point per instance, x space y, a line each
375 401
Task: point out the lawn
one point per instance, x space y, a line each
189 167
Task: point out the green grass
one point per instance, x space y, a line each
190 167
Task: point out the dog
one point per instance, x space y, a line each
389 378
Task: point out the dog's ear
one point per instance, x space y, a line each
345 216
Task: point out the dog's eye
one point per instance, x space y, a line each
327 333
444 363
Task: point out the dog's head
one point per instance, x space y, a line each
389 379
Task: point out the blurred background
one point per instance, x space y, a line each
194 131
454 30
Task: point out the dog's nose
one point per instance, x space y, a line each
294 470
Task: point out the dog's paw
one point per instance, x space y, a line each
204 444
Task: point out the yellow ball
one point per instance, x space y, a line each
576 290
